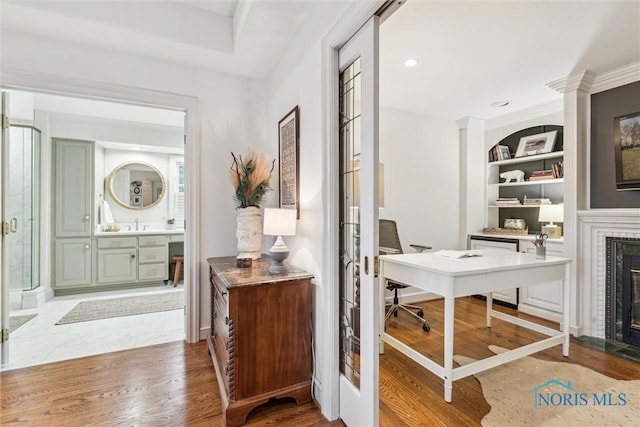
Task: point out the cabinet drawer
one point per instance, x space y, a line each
219 289
117 242
153 240
152 254
152 271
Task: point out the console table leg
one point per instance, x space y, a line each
449 304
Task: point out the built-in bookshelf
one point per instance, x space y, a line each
539 180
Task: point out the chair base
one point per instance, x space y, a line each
393 310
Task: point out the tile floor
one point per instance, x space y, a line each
41 341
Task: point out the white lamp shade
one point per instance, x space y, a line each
279 222
551 213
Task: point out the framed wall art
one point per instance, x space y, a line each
536 144
626 139
289 152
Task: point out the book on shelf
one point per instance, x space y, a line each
499 152
557 169
507 201
528 201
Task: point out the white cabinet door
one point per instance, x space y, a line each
73 178
544 300
117 265
73 262
509 295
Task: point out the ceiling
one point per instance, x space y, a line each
472 53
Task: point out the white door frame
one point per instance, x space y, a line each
351 21
43 83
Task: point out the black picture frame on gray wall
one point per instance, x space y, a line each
626 135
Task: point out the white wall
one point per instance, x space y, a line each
420 157
230 117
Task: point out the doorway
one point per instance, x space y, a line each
39 339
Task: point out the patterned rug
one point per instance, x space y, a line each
533 392
16 321
124 306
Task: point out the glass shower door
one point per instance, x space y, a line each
23 208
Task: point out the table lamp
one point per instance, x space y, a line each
279 222
551 214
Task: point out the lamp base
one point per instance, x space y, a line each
552 231
278 252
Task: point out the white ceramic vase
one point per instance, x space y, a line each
249 232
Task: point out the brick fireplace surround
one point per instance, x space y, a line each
595 226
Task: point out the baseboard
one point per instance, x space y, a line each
35 298
204 332
412 297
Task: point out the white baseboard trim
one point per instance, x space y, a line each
539 312
35 298
204 332
412 297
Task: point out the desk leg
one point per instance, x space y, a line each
566 310
489 308
449 303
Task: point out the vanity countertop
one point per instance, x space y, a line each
136 233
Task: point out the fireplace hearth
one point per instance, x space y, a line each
622 311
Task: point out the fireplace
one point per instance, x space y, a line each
622 291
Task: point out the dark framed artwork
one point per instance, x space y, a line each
289 152
626 140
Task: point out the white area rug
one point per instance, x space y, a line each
533 392
125 306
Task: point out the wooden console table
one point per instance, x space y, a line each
260 341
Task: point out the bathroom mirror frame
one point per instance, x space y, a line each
112 193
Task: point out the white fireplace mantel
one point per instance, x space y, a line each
595 226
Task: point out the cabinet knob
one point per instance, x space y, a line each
133 256
86 217
87 246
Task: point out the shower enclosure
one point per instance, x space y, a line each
24 210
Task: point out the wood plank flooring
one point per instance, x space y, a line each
174 384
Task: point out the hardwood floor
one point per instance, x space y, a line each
174 384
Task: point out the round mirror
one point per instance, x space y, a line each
136 185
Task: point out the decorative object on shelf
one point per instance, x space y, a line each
244 262
499 152
515 224
171 224
250 178
279 222
551 214
289 150
515 175
507 201
626 134
538 242
536 144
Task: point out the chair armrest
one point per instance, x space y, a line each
388 251
420 248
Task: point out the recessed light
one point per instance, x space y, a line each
499 104
412 62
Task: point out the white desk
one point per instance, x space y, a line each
493 271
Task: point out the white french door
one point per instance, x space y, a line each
359 293
6 227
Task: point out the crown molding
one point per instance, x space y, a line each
536 111
578 81
617 77
470 123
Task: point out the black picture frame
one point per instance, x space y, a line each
626 141
289 160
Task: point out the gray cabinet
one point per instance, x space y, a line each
72 262
73 219
117 261
153 255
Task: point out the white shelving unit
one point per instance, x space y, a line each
547 188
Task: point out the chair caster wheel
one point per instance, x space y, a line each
426 328
420 313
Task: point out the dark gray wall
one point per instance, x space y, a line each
604 107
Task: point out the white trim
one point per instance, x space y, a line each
344 29
594 226
618 77
45 83
524 115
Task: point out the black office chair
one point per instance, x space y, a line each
389 244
